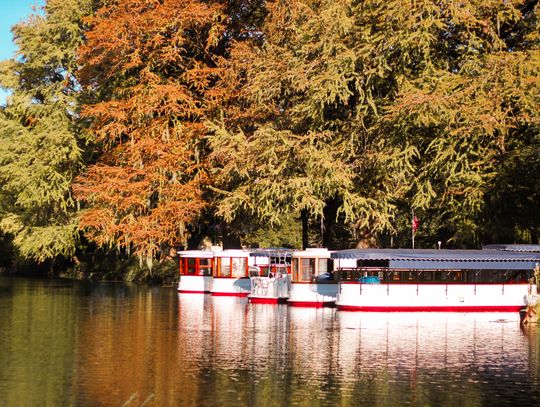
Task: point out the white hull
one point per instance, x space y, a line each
195 284
433 297
312 295
269 290
239 287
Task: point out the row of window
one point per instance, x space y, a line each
321 270
236 267
434 276
304 270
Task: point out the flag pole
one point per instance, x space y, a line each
412 227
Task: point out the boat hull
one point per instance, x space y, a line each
269 290
230 287
266 300
433 297
195 284
313 295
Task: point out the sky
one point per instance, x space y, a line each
11 12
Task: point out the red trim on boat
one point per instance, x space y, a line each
193 292
267 300
427 284
469 308
311 304
229 294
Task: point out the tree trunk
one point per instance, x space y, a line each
329 223
305 228
231 240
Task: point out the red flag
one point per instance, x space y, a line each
415 224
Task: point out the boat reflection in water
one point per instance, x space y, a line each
73 343
322 356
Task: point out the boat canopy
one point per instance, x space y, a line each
272 252
513 247
431 259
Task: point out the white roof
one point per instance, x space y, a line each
232 253
313 253
204 254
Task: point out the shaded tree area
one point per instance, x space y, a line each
141 126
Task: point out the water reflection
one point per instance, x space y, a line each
66 343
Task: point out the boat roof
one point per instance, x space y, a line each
313 253
513 247
232 253
444 259
272 252
203 254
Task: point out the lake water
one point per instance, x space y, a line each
70 343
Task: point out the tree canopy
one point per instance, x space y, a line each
250 113
42 140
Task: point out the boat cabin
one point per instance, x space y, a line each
270 275
313 282
196 268
312 266
230 273
436 280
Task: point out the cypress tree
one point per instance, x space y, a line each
41 139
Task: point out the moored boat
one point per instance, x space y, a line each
195 271
312 280
230 273
435 280
270 276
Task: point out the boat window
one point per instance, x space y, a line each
349 274
239 266
225 267
191 265
371 263
409 275
263 270
307 269
295 270
425 276
325 270
182 267
323 266
205 267
436 276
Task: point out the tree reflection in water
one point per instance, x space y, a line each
110 344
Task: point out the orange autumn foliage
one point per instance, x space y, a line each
151 70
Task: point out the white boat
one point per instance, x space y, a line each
230 273
436 280
312 280
195 271
219 272
270 276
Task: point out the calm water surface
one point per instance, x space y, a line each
67 343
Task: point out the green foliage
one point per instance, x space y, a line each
41 242
308 142
41 139
469 106
253 112
384 106
288 233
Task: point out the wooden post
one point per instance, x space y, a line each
412 227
